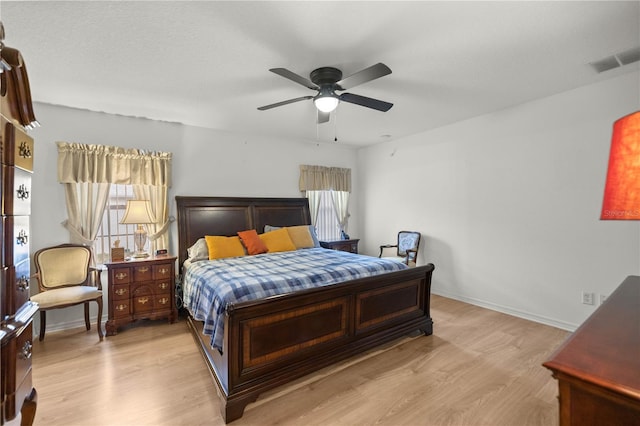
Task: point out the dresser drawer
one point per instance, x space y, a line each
120 292
163 302
162 287
16 196
23 354
18 386
142 299
121 308
142 273
162 271
18 281
16 239
17 149
120 276
4 289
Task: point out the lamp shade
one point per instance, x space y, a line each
138 211
622 189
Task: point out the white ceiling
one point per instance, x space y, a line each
205 63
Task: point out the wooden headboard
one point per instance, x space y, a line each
200 216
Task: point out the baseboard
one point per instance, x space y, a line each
61 326
510 311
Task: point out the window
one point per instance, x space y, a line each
327 225
111 229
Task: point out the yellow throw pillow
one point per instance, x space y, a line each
278 240
221 247
300 236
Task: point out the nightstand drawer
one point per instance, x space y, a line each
162 287
120 276
120 292
162 271
142 273
142 303
121 308
163 302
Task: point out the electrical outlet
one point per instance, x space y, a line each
603 297
588 298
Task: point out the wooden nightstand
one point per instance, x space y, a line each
343 245
141 288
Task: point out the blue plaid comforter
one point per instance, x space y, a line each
211 286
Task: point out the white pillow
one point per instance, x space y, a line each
198 251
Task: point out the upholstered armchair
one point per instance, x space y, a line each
65 278
406 248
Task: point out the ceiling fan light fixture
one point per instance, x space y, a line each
326 103
326 100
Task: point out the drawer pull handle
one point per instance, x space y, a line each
121 291
143 269
23 192
164 300
164 271
120 307
163 286
24 150
143 300
121 275
22 238
23 283
26 350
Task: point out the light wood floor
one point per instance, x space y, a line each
479 367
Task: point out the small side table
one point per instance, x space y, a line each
350 245
141 288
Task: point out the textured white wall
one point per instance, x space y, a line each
205 162
509 203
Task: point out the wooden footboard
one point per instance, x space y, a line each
270 342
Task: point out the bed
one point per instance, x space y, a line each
268 342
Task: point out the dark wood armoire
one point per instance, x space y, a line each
18 396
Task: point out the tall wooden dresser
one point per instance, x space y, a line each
18 397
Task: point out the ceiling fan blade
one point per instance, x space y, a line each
290 101
283 72
366 102
374 71
323 117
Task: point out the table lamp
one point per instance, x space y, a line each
622 189
138 212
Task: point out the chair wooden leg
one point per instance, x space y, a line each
100 318
43 324
86 316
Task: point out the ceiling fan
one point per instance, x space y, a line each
328 80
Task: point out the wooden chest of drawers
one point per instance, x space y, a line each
18 398
598 366
141 289
16 311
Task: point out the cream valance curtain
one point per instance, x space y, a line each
321 178
111 164
337 180
87 171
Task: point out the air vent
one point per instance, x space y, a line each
619 59
629 56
